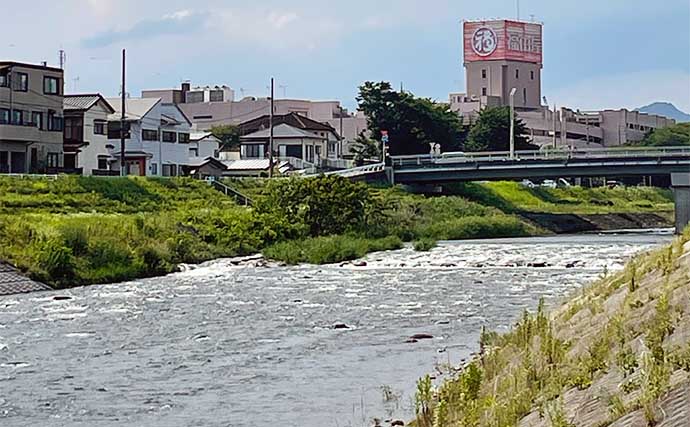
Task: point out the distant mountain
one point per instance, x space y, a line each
665 109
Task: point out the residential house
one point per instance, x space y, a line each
31 120
254 167
204 167
157 137
86 146
294 137
205 144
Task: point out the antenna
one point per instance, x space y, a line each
62 56
518 9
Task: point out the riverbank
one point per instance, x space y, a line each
616 354
75 231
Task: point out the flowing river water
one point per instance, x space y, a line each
253 345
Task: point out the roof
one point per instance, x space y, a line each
82 102
282 131
292 119
13 282
250 164
5 64
198 136
136 108
197 162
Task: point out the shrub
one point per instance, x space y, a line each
424 244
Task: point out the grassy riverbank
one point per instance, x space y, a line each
616 354
76 230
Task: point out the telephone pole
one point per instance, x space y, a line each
123 168
270 138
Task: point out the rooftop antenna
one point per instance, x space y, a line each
518 9
62 56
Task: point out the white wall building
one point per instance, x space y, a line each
86 143
158 137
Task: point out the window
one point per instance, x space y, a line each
524 96
154 168
3 80
483 74
53 160
483 91
55 123
114 130
73 129
517 73
149 135
169 170
169 137
102 163
51 85
17 117
98 127
531 74
203 117
183 138
194 97
194 152
253 151
22 82
216 96
4 116
37 119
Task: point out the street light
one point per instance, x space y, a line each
512 123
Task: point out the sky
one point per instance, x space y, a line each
597 53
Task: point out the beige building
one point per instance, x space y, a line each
31 118
502 55
208 113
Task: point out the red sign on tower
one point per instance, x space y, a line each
502 40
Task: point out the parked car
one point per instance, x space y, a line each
563 183
451 157
549 183
613 184
527 183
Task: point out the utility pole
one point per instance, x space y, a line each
512 123
340 149
270 138
123 168
554 126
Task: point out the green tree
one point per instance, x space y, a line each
412 123
229 135
365 148
678 134
491 132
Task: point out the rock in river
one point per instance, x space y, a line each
340 326
421 337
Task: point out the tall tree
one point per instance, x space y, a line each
491 132
229 135
365 148
678 134
412 123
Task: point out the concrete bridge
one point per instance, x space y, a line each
559 163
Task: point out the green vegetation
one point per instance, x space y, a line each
412 123
424 244
512 197
676 135
75 230
491 132
585 355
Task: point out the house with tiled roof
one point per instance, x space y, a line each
294 137
85 142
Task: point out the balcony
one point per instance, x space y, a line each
28 133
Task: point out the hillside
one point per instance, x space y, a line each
666 109
617 354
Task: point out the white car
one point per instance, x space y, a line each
549 183
527 183
451 157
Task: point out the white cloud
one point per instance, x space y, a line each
629 90
280 20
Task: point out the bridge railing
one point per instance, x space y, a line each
543 154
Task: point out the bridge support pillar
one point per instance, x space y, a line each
680 182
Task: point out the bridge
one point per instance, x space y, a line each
552 163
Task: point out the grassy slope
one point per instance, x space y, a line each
617 354
512 197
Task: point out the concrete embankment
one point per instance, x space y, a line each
583 223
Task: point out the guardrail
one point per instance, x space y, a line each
231 192
544 154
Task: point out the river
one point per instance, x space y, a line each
250 345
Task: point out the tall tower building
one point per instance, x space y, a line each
501 55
